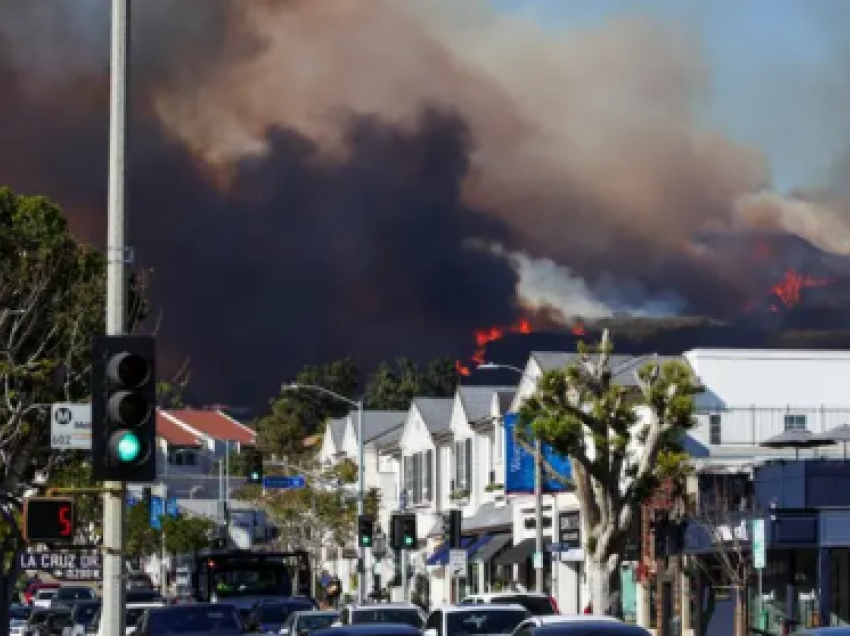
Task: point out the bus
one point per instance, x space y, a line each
229 575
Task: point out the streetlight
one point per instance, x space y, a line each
361 496
538 482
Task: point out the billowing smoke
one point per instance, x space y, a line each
308 178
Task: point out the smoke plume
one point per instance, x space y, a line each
308 178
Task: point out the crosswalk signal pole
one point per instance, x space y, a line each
112 621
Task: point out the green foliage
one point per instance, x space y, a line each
185 534
142 540
393 386
52 294
75 472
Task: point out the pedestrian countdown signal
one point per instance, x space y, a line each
49 520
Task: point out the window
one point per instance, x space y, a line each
463 464
795 422
714 429
418 476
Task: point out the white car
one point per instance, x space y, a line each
43 598
475 620
527 627
537 604
398 613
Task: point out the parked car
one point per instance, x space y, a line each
269 615
302 623
32 590
475 620
212 619
570 626
396 613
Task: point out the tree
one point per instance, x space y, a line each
52 294
392 386
74 471
185 534
619 438
142 539
295 414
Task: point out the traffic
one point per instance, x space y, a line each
235 592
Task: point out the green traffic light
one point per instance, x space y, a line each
408 541
129 447
255 476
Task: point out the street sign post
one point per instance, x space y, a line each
758 544
289 482
457 563
70 426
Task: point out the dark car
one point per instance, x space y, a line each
49 622
200 619
581 628
142 596
270 615
85 612
302 623
371 629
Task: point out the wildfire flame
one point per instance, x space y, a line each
483 337
789 289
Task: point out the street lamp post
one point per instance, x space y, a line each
538 484
361 485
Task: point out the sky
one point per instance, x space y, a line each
778 81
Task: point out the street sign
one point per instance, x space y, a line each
65 566
288 482
70 426
171 507
457 563
758 544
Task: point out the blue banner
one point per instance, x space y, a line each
157 511
519 463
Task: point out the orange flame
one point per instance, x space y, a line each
483 337
789 289
578 329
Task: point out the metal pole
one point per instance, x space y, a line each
112 621
163 583
222 503
361 503
405 583
227 482
538 517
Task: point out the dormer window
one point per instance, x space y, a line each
418 477
463 464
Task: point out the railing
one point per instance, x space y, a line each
752 425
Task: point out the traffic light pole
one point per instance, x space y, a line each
361 504
112 622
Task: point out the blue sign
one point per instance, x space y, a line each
278 482
131 500
171 507
157 511
519 463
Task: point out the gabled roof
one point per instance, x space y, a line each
216 425
435 412
169 429
623 367
477 401
337 428
377 423
389 439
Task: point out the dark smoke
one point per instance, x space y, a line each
310 180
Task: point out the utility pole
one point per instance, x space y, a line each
361 503
112 621
538 516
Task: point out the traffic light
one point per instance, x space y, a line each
123 408
403 535
365 531
452 521
255 467
49 520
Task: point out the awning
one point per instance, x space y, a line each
492 548
476 545
441 554
517 554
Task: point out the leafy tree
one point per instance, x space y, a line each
621 440
52 294
392 386
74 471
186 534
295 414
142 539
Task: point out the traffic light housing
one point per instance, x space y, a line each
403 535
452 521
124 408
365 531
49 520
255 467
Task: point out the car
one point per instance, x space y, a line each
269 615
70 594
591 626
212 619
83 614
44 597
18 617
397 613
32 590
387 629
539 621
537 604
48 622
475 620
300 623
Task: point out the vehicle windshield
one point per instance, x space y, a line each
74 593
310 622
279 612
42 594
86 612
19 613
133 614
484 621
259 582
190 619
399 616
537 605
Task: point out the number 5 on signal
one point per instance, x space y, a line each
49 520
